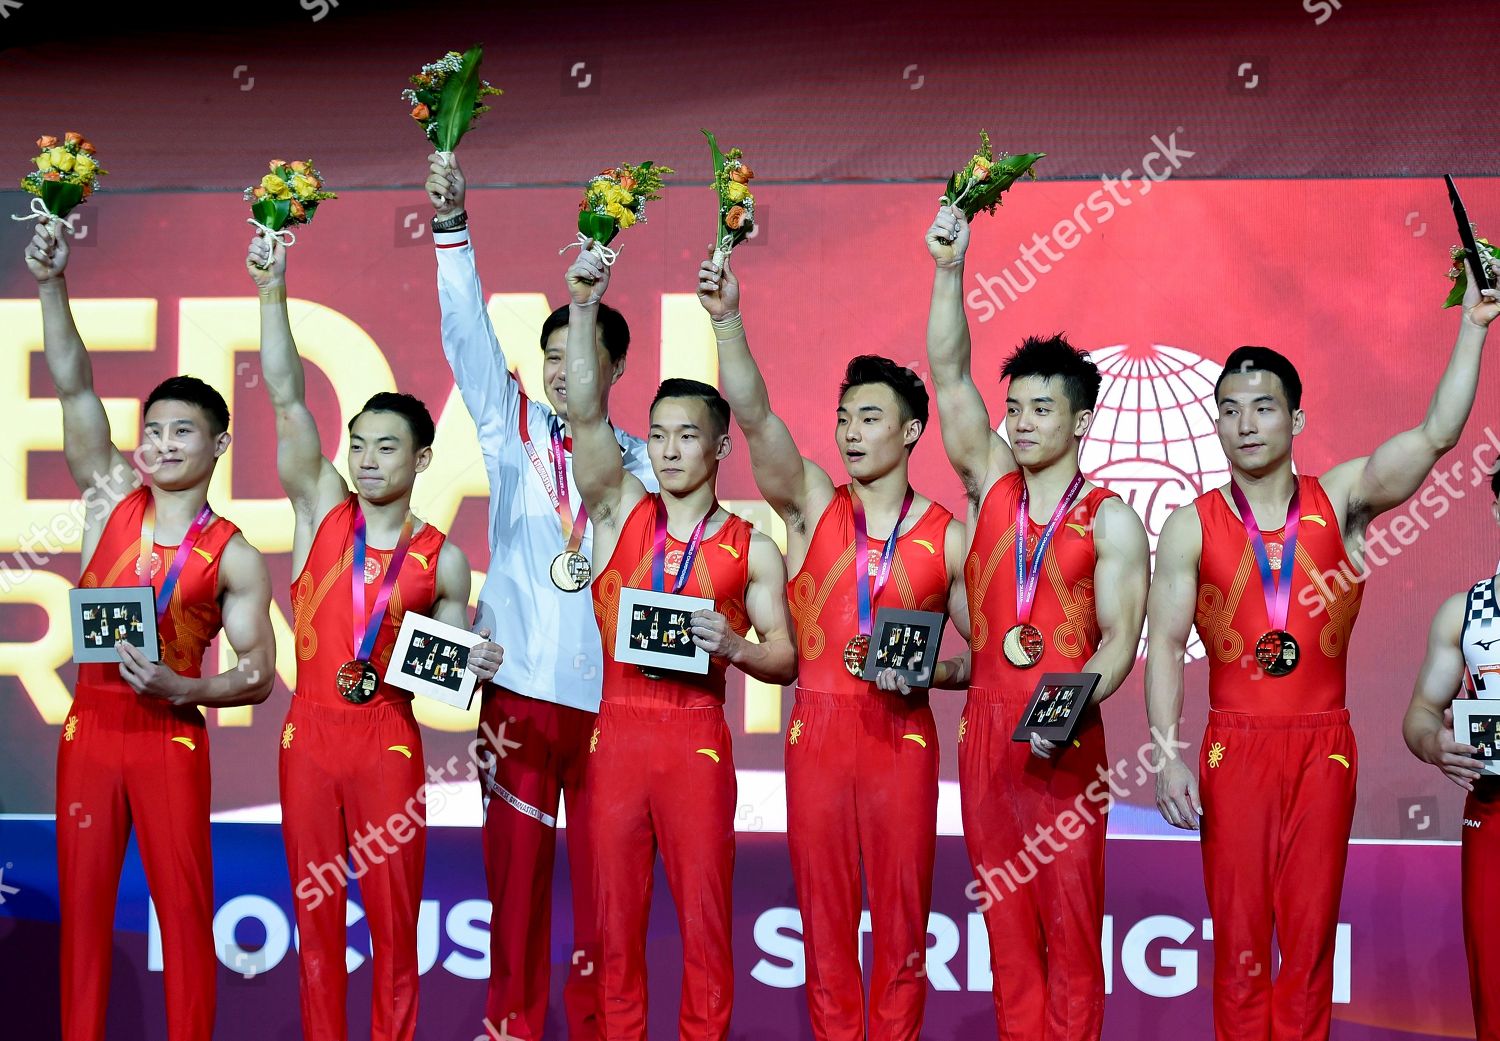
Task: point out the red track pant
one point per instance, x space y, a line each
1035 831
663 778
1481 861
522 790
1278 803
126 759
862 788
352 806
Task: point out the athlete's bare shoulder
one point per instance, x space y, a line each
1182 533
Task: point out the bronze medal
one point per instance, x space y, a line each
571 571
1024 645
358 681
855 653
1277 652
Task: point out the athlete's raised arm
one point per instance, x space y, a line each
979 455
1368 486
474 352
307 477
1428 727
608 489
1169 612
795 486
90 453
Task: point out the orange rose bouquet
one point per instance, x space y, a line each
287 196
979 185
66 173
736 205
448 95
613 200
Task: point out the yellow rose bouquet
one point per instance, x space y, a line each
287 196
448 95
613 200
979 185
66 173
1489 259
736 205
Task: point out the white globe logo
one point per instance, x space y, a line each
1153 440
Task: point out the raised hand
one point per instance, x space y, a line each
47 253
446 186
948 237
588 278
1480 306
718 290
266 261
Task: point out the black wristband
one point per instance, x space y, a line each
458 222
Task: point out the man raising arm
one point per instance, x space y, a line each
662 770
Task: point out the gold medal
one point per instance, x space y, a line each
855 652
1024 645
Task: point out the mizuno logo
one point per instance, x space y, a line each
186 741
1487 644
918 738
710 753
1340 759
403 749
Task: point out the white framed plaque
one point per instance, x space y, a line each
652 631
1476 722
431 658
106 615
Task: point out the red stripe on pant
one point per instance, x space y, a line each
128 759
1283 789
353 777
523 784
1043 900
1481 861
862 787
653 785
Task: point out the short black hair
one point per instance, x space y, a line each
193 391
423 430
611 323
910 391
1053 356
1495 483
1262 359
710 396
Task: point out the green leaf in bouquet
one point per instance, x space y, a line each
273 213
455 109
60 197
718 155
1461 262
985 195
427 97
598 226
